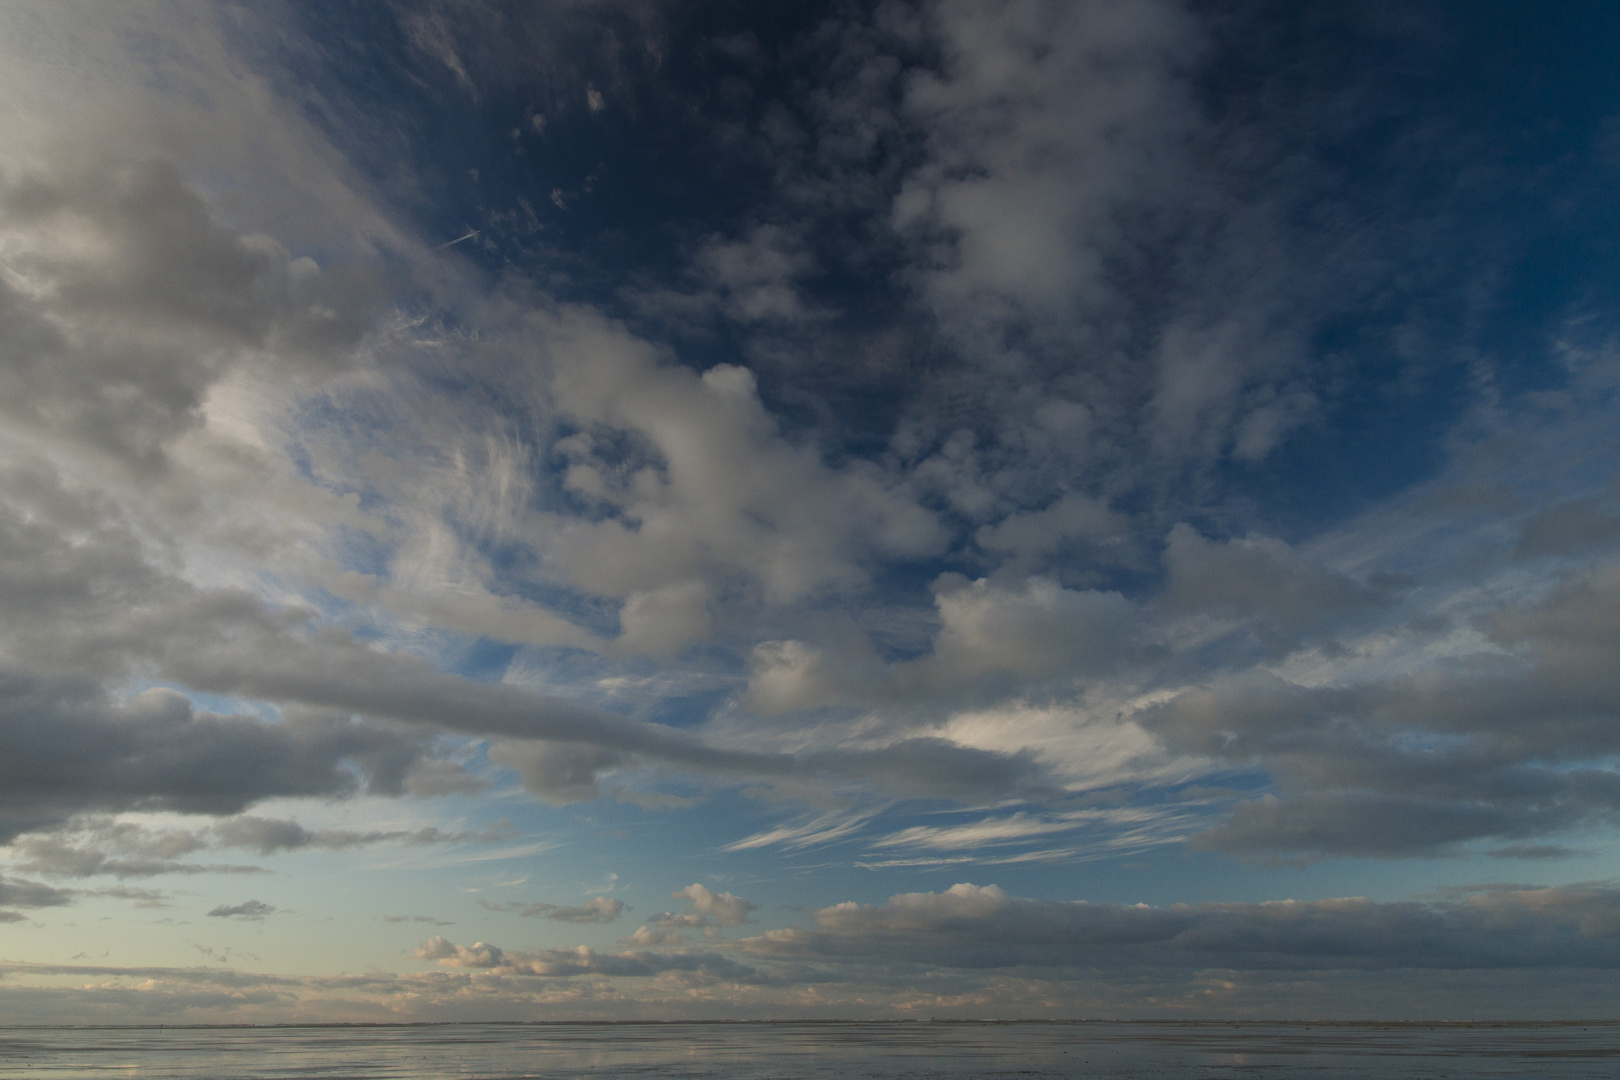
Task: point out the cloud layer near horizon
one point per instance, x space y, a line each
953 952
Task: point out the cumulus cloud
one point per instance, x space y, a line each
709 912
124 301
1035 632
1025 92
724 908
1029 535
994 637
568 963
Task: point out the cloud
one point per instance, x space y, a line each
724 908
1260 580
715 488
983 927
268 836
479 955
30 894
158 301
1104 832
1569 528
994 637
155 752
1505 743
103 608
602 909
709 911
755 274
569 963
1020 175
1037 632
558 772
1073 517
251 910
87 846
286 456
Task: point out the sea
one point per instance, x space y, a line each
1146 1050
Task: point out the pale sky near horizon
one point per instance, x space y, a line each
593 510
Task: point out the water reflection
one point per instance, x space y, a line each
1093 1050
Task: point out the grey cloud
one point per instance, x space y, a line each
602 909
1073 517
84 603
106 846
252 910
755 274
431 777
99 606
1532 851
1569 528
1063 148
159 301
268 836
86 847
995 637
1350 787
68 749
982 927
926 766
1398 824
1505 745
1035 632
18 893
559 773
54 858
173 304
1259 578
1019 171
1034 140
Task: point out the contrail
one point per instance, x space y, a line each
457 240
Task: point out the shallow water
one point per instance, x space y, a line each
779 1051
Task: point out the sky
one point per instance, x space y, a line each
628 510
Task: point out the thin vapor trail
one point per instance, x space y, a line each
457 240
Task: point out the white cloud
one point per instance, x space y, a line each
724 908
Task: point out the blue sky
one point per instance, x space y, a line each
606 510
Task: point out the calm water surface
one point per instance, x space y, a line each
813 1050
